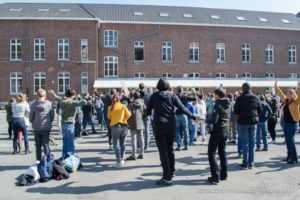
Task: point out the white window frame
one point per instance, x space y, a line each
220 53
293 75
286 21
164 14
292 54
194 52
84 43
246 53
167 75
240 18
39 43
263 19
187 15
111 38
270 75
269 54
194 75
65 44
16 77
39 76
111 61
63 76
84 87
221 75
17 44
167 51
247 75
216 17
139 75
141 45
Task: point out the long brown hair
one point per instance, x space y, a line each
116 99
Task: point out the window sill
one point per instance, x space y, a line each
194 62
139 61
220 62
292 63
270 63
39 60
111 47
246 62
15 60
63 60
167 62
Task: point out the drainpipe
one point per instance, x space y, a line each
26 63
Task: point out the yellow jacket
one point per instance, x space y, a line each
294 106
120 114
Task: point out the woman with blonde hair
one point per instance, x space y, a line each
291 116
20 111
118 114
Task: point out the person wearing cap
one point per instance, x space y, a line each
291 116
247 108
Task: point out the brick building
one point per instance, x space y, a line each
55 46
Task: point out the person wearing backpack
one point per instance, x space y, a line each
41 116
261 130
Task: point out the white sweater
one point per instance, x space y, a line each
20 109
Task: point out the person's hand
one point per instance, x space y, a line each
51 91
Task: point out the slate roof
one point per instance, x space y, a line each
42 10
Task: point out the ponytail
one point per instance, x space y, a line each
116 99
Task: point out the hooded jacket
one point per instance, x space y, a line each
163 103
221 116
137 109
41 115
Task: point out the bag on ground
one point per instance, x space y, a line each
71 163
59 171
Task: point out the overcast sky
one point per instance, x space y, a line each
286 6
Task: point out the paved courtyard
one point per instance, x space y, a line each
270 179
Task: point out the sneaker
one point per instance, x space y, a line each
185 148
264 149
117 165
251 167
122 162
140 157
110 147
244 167
212 181
164 182
239 155
273 142
178 149
258 149
131 158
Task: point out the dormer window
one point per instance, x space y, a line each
164 14
138 13
187 15
43 9
240 18
15 9
64 10
263 19
286 21
215 16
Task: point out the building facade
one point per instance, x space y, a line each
73 45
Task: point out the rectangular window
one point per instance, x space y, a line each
63 49
39 49
39 81
139 75
292 54
167 51
270 75
220 52
84 82
293 75
110 66
15 82
84 50
111 38
194 75
246 53
138 51
194 52
63 82
15 49
220 75
167 75
246 75
269 53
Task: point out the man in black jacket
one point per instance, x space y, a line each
247 108
220 120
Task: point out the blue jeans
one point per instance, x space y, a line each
261 130
192 130
181 127
239 143
91 121
248 141
68 130
119 133
289 130
19 124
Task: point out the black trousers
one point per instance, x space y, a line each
271 126
10 129
164 136
217 141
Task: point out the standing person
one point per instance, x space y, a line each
118 115
9 116
291 116
232 127
68 108
262 125
247 108
191 123
200 109
147 119
78 119
58 115
220 120
209 109
20 110
136 126
107 100
41 116
88 115
163 102
274 105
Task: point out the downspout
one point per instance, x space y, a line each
26 63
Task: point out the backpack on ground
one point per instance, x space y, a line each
59 171
45 167
71 163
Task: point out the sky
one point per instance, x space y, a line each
285 6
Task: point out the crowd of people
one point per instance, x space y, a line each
179 118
